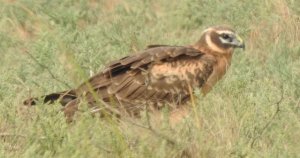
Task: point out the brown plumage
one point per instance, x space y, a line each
159 75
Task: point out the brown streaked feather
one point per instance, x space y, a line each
138 93
136 84
151 57
159 54
157 76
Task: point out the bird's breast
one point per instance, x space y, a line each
219 70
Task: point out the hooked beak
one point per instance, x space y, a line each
238 42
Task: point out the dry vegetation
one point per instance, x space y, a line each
49 46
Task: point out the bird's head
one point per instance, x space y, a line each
220 39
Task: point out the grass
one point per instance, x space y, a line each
253 112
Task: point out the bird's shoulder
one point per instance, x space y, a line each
154 59
152 54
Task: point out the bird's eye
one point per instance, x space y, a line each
225 36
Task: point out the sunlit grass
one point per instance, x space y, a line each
253 112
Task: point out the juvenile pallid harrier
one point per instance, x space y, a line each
157 76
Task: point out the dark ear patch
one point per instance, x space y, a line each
215 38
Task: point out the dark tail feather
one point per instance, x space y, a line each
156 45
63 97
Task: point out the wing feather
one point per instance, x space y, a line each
139 92
157 74
114 88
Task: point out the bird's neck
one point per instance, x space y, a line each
223 62
225 54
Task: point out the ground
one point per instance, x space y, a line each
48 46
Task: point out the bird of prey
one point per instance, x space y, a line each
160 75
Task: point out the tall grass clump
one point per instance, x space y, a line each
48 46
